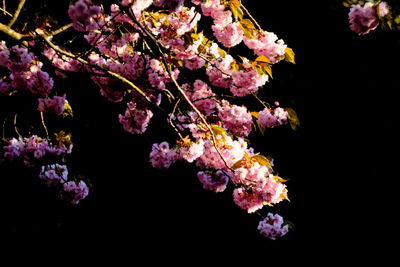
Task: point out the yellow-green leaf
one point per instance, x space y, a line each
263 65
248 28
267 69
293 119
218 130
262 59
397 19
237 12
254 114
240 162
262 129
389 23
67 110
234 66
289 55
262 160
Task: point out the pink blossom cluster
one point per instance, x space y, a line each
25 72
259 187
157 75
82 14
383 9
171 5
26 76
54 105
74 191
56 176
187 52
266 44
135 120
30 149
363 19
202 152
247 81
137 6
231 150
211 7
255 184
201 95
191 152
184 20
235 118
62 62
270 118
161 156
213 181
229 35
220 74
272 226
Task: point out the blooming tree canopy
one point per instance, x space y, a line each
194 63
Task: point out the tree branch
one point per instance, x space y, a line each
15 125
16 13
60 30
110 73
11 33
44 125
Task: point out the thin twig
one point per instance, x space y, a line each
170 119
60 30
5 12
4 8
15 125
16 13
4 126
214 65
259 100
44 125
250 16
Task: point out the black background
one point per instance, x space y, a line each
341 164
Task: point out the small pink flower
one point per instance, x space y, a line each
363 19
229 35
272 226
215 182
235 118
161 156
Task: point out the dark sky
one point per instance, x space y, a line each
341 174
